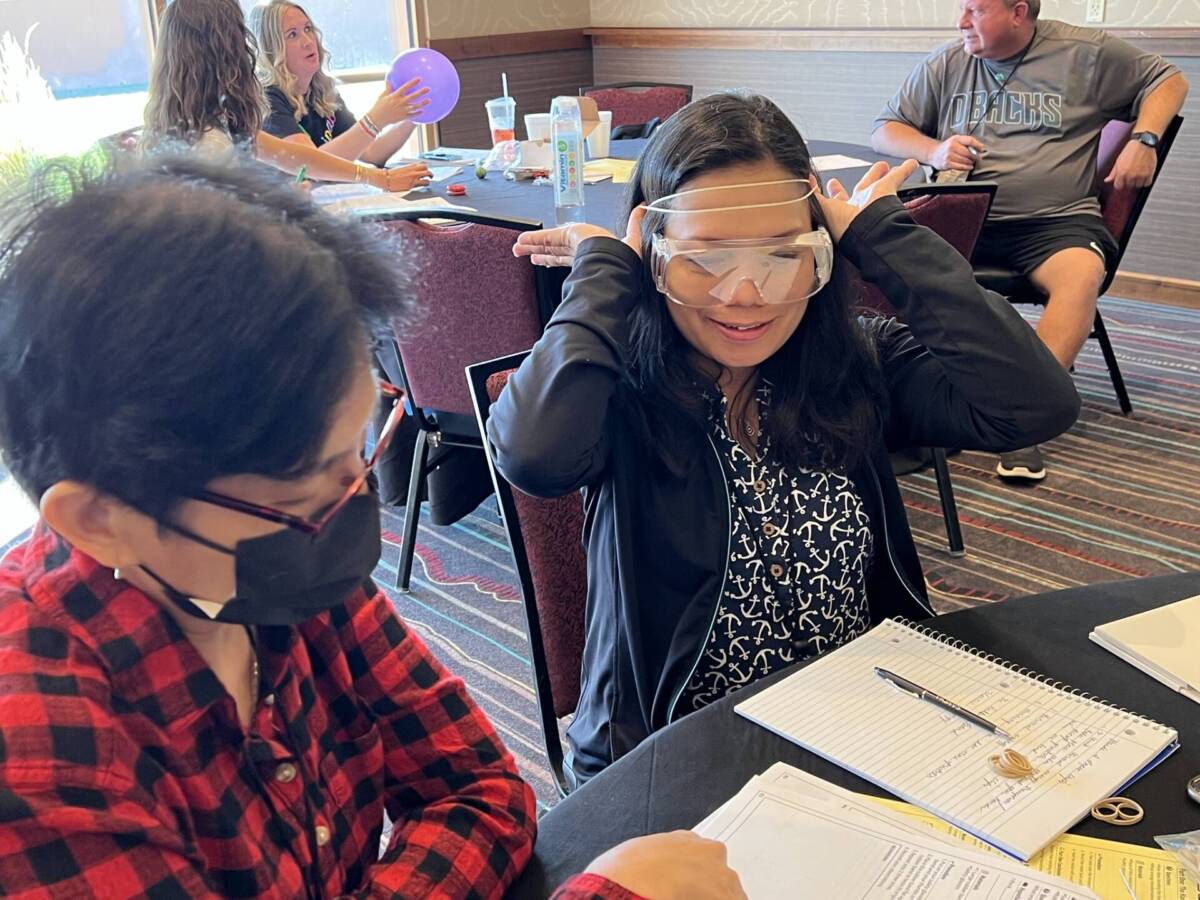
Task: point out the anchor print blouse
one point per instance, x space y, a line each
800 547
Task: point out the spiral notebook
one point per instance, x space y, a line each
1082 749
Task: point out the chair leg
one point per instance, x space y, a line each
1114 370
949 507
412 511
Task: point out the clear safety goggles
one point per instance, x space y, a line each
702 273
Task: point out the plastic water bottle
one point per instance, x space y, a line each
566 137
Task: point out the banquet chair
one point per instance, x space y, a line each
1121 210
638 104
545 537
956 212
474 300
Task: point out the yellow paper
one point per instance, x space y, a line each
1094 863
620 170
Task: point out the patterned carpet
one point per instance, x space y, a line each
1122 499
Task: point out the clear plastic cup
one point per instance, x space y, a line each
502 119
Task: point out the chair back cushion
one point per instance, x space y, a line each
552 532
956 218
1116 206
635 106
473 300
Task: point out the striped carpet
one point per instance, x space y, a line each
1122 499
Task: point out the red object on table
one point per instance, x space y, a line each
457 189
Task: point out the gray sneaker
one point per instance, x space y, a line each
1022 465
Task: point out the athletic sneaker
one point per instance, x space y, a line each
1022 465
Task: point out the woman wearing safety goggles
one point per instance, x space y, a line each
707 383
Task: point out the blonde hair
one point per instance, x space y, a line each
203 77
322 96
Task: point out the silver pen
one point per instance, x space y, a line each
941 702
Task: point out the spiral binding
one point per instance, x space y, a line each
963 647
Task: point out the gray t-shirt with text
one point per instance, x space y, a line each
1041 123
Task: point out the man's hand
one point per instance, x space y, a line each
1134 168
955 153
675 866
881 180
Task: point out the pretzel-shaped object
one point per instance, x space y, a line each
1118 811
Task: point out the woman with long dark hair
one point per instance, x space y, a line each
708 386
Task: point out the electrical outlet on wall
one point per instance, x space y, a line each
1095 11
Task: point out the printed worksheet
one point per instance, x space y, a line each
790 845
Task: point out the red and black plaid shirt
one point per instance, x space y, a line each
125 771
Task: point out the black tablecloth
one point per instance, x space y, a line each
680 775
602 201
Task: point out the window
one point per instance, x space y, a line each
357 34
94 55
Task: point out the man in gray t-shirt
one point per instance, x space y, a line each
1022 102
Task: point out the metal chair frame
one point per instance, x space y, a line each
477 376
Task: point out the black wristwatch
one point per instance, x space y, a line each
1149 138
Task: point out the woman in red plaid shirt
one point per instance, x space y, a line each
201 691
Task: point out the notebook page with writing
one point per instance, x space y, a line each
1082 749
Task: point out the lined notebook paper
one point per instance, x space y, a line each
1082 749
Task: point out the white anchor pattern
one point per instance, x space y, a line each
800 549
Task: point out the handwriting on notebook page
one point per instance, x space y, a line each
1081 750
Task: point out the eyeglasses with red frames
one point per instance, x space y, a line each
314 528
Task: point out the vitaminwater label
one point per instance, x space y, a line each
569 167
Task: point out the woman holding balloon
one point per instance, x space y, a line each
204 95
305 106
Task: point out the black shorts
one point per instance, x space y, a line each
1024 244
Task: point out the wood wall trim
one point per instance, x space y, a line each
483 46
1156 289
1165 41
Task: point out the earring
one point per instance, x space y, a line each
117 574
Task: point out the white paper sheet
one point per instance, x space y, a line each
837 161
789 844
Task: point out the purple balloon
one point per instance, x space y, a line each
436 73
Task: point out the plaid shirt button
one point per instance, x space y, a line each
322 835
269 699
285 773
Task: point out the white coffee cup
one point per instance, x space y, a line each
597 141
537 126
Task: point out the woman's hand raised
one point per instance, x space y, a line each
403 103
557 246
841 208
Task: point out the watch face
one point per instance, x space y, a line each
1193 789
1145 137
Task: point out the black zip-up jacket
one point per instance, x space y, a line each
965 371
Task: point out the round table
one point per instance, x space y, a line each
681 774
603 201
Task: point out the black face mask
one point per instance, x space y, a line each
287 577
